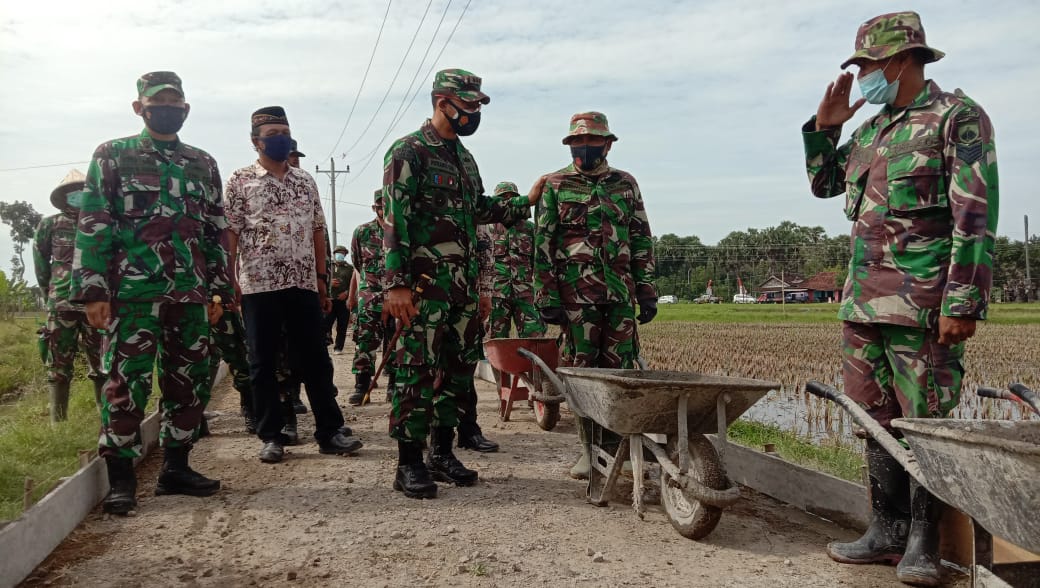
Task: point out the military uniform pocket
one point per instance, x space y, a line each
573 213
141 197
855 183
916 191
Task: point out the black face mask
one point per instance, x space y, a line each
163 119
465 123
591 156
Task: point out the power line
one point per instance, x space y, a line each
390 87
363 79
10 169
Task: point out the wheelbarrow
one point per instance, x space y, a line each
643 405
987 469
1015 392
517 379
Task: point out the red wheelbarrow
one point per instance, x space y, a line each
518 380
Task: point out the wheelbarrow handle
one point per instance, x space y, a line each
873 428
1027 396
987 392
537 361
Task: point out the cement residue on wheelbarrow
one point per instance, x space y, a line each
315 520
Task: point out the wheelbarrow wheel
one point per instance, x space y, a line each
691 518
547 415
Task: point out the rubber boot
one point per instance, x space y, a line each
920 563
99 392
59 401
122 486
580 471
886 538
362 381
442 463
289 430
412 477
177 478
246 405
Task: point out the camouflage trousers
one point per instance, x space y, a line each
67 330
894 371
370 335
139 334
435 360
520 311
228 343
600 335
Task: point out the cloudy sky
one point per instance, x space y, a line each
707 97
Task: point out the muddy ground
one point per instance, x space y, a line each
316 519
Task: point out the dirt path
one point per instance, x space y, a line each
316 519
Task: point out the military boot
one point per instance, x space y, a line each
59 401
412 477
442 463
177 478
362 381
920 563
289 430
122 486
885 539
99 392
245 403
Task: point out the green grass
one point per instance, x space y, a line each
20 364
837 461
1016 314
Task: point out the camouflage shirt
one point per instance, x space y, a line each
53 246
485 261
592 239
343 272
920 186
434 199
512 251
151 225
366 249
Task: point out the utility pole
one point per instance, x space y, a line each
332 171
1029 280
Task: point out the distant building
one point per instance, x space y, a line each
822 287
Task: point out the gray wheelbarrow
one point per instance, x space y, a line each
987 469
643 405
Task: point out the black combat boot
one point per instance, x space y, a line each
471 437
122 486
204 428
885 539
442 463
920 563
412 476
289 431
177 478
362 381
246 405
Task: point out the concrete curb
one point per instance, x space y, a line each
817 493
29 539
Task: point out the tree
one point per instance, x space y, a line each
23 220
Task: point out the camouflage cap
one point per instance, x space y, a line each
884 36
339 248
154 82
461 83
379 196
589 123
506 188
74 180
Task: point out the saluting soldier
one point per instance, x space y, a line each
433 200
151 252
67 327
594 260
920 185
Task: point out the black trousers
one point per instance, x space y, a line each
467 405
295 315
340 316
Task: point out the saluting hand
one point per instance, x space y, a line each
834 109
398 304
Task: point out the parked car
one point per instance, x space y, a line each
707 299
743 299
790 297
667 299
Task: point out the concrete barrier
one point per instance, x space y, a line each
29 539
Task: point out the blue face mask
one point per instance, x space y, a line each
277 147
341 257
876 88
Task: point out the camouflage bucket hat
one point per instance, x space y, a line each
506 188
589 123
74 180
339 248
461 83
379 196
154 82
883 36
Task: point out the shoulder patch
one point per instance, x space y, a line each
967 135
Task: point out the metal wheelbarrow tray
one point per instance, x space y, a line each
988 469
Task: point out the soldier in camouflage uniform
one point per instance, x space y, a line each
342 272
228 342
512 300
67 326
434 199
151 251
370 332
594 259
920 185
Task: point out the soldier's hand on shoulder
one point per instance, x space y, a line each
536 190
